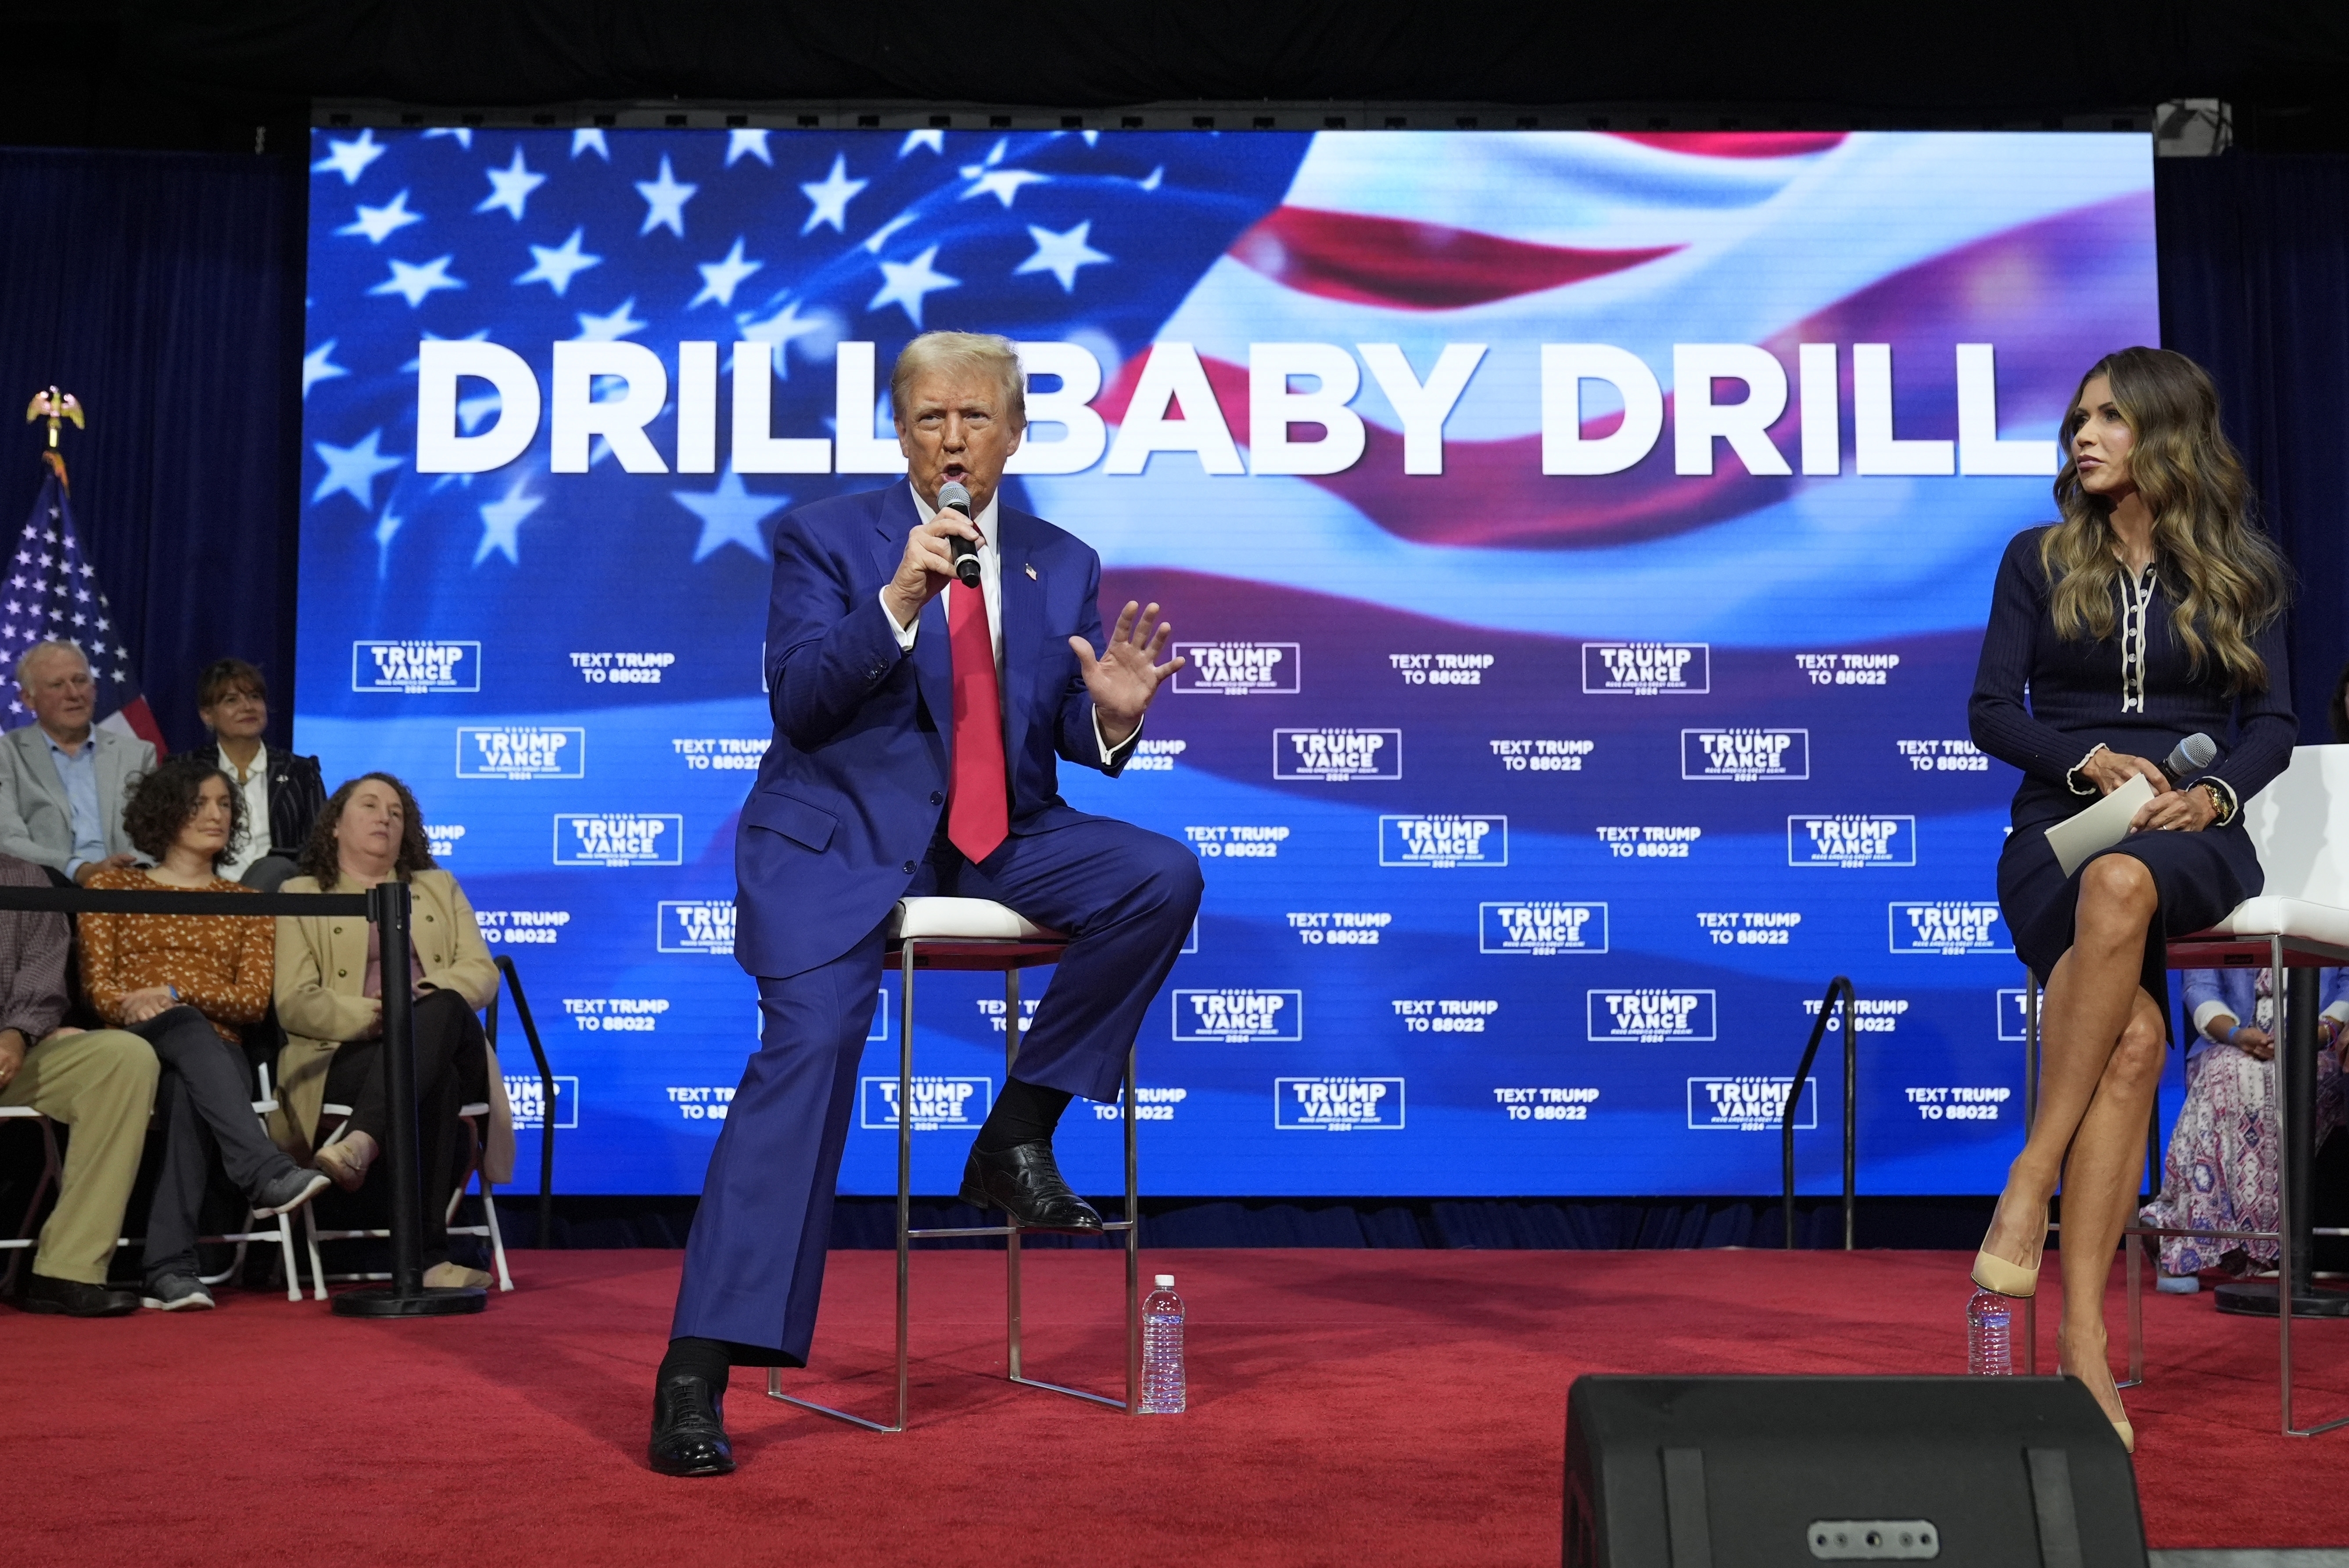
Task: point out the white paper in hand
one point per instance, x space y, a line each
2100 826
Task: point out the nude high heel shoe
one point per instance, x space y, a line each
1992 1272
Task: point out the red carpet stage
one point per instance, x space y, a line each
1346 1407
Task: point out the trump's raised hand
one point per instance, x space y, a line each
1124 678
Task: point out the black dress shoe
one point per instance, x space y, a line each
71 1298
689 1430
1024 1181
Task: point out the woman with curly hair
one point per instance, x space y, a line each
2152 611
186 984
330 978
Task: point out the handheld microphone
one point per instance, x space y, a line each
2190 756
966 553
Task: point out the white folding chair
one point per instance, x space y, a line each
281 1230
475 1115
25 1240
2300 825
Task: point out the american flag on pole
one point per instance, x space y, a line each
52 592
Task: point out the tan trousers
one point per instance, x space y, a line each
102 1085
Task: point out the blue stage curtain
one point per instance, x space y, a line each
165 291
2255 285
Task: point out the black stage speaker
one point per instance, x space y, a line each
1760 1472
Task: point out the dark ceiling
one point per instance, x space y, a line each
207 74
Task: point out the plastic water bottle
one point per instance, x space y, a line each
1162 1350
1990 1335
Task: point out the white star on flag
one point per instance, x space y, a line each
378 223
413 283
730 514
350 159
719 279
318 365
555 267
880 236
462 135
502 523
748 144
590 140
908 283
1062 255
831 196
352 469
665 200
1000 183
779 329
935 139
610 329
511 186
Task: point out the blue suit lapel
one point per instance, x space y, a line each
932 656
1023 626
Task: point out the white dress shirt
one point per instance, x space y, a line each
991 586
254 787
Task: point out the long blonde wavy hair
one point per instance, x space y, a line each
2225 579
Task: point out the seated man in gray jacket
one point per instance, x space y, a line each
63 780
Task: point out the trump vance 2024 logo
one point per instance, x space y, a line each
1647 668
1851 842
1745 756
1335 756
1649 1015
1338 1104
416 667
1950 927
1541 927
619 838
1444 842
521 752
1236 1016
940 1104
1239 669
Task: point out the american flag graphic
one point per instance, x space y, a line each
1408 632
53 593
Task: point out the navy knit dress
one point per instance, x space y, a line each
2042 703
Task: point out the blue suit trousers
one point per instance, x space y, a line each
754 1262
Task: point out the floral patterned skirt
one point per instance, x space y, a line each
2221 1170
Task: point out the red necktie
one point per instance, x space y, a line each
977 815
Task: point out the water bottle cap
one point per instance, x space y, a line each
1166 1282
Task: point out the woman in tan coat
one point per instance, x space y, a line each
329 994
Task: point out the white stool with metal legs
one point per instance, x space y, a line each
2300 922
980 934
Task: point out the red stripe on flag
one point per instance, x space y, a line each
1736 143
142 720
1414 266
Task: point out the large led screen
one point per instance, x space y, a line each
1579 543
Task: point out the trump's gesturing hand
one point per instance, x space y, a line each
1124 679
927 565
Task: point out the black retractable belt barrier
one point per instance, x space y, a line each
387 907
1839 988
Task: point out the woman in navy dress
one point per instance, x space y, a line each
2152 611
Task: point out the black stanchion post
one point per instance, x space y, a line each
408 1297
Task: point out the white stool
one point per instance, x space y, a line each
980 934
2301 920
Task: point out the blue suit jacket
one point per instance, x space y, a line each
855 784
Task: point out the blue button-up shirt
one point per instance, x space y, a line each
79 773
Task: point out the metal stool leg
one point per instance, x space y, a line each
2030 1115
1011 1242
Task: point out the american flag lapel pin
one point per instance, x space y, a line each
1030 570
